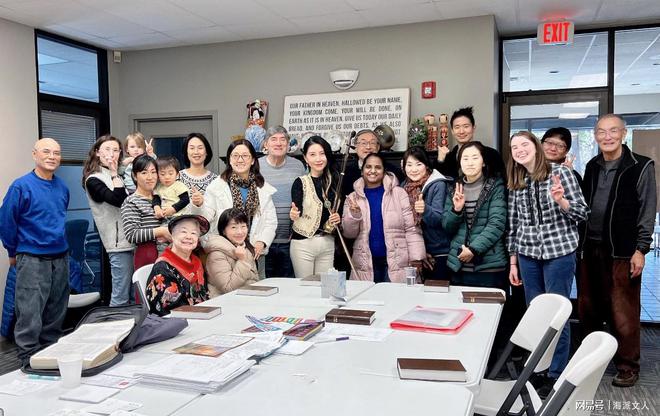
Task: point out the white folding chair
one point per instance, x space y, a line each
537 333
81 300
576 386
140 277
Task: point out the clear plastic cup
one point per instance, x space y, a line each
411 275
70 367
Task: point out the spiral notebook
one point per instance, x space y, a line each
441 320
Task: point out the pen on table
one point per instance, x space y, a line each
332 340
38 377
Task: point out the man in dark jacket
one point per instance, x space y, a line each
619 187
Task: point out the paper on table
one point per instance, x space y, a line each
106 380
22 387
359 332
294 347
124 370
88 394
125 413
112 405
70 412
370 302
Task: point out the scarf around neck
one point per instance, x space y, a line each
414 189
251 205
192 270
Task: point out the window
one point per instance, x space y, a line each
528 66
73 109
67 71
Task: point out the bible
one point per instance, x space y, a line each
98 343
431 369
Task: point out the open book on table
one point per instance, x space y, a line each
97 343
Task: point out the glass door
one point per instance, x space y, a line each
537 113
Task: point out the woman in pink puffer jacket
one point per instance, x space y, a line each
379 216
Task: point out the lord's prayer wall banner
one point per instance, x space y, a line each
346 111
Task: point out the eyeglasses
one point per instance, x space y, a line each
367 144
613 131
558 146
237 157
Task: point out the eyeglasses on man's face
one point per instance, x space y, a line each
612 132
367 143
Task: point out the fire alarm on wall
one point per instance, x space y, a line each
428 89
116 57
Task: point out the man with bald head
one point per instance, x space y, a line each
32 218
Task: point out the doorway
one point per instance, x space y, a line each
170 130
539 111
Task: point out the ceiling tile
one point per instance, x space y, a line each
149 40
42 12
297 8
331 22
374 4
104 25
204 35
276 27
154 14
227 12
420 12
632 10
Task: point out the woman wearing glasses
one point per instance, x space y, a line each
242 186
556 145
106 192
545 207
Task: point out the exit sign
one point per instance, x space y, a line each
555 33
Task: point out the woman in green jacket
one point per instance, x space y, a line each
475 218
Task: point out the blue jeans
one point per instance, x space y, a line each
550 276
121 269
278 261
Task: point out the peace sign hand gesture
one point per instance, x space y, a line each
557 190
459 198
354 207
150 148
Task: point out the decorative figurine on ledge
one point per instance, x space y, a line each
432 132
255 132
444 130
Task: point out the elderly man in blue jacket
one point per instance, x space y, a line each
32 218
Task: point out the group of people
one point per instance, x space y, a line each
463 216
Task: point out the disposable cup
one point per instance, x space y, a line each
70 366
411 275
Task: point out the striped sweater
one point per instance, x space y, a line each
138 219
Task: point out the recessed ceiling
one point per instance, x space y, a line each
147 24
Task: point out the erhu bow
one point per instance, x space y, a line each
327 227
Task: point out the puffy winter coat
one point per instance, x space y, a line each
403 240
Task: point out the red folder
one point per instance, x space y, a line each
439 320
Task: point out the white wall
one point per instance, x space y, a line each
460 55
18 111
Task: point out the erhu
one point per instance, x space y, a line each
327 227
